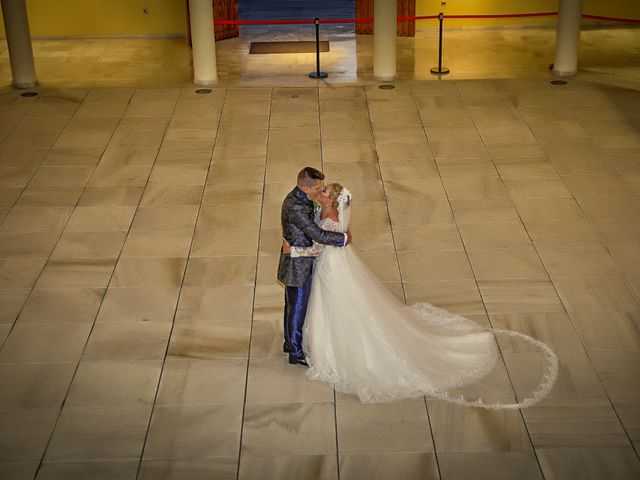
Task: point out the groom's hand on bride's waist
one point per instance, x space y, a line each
286 247
349 238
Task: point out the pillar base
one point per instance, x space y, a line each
205 82
26 84
559 73
389 78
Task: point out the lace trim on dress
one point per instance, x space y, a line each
312 251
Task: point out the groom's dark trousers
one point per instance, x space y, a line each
295 310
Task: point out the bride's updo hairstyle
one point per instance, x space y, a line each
336 188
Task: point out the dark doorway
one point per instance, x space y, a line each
295 9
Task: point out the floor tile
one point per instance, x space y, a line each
89 245
20 273
589 463
151 243
576 423
100 219
158 195
111 196
155 304
383 428
485 188
507 263
27 244
127 341
596 294
217 243
621 332
410 466
507 296
26 433
169 217
288 429
96 470
208 304
30 219
272 380
240 216
220 271
304 467
194 432
18 470
402 213
198 382
420 267
114 383
49 343
548 209
419 238
618 371
627 410
11 303
461 429
576 261
494 235
567 233
76 273
209 341
489 465
35 385
98 433
223 468
484 210
149 272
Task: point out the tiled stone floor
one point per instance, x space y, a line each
139 313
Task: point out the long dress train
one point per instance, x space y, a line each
364 341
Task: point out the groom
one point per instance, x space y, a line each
300 230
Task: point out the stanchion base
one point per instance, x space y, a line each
318 75
437 71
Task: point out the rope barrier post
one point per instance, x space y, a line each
318 73
439 70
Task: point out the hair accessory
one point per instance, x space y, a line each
344 198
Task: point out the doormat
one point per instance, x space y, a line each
287 47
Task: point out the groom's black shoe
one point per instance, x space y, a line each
286 348
298 361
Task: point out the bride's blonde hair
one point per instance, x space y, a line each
336 188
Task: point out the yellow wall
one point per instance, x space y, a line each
167 17
105 17
610 8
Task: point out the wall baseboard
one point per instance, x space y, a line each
108 37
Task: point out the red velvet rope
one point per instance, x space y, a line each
612 19
505 15
411 19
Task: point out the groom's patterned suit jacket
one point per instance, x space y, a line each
300 230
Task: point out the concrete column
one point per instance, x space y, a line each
567 38
203 42
16 27
385 27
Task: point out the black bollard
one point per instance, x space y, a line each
440 70
318 73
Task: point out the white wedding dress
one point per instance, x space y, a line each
361 339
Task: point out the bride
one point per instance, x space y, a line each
362 340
